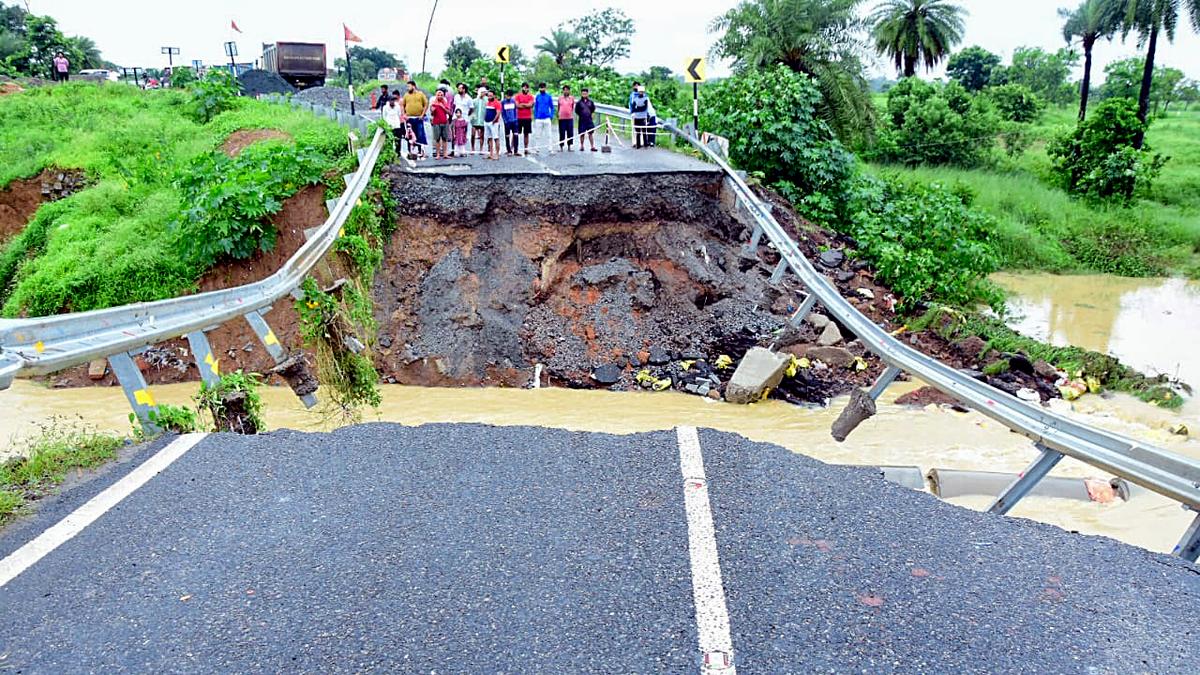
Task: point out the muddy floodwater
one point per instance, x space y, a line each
926 438
1152 325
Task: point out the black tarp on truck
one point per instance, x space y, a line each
302 64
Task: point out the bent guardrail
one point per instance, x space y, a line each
49 344
1055 436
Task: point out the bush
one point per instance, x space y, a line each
1098 159
925 241
1016 102
769 117
234 403
936 124
213 95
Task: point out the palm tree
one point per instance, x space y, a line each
1092 20
560 44
89 51
1149 18
814 37
916 31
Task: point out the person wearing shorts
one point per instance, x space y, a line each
439 117
512 135
493 123
585 108
524 102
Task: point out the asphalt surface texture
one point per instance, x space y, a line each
470 548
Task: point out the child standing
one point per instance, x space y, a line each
460 132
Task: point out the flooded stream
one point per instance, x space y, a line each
1154 324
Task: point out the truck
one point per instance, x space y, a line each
301 64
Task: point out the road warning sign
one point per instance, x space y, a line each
694 72
503 54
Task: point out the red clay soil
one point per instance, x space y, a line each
233 342
244 138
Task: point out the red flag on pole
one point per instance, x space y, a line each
350 36
233 25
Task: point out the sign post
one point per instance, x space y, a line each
503 54
171 53
231 51
694 73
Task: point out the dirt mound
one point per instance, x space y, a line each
20 199
258 82
234 343
244 138
10 88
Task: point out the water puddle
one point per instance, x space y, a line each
1152 325
926 438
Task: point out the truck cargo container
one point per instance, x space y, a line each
301 64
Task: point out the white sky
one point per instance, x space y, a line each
130 32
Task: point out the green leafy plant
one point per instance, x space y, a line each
213 95
936 124
169 418
43 460
1099 160
329 325
1016 102
234 403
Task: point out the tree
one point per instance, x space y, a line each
461 53
88 51
913 32
1098 159
1090 21
1044 72
973 67
815 37
561 45
42 40
1149 18
1166 87
1188 92
603 36
935 124
1015 102
1122 79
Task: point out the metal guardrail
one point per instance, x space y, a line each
1054 435
49 344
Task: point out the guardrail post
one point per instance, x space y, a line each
780 270
267 336
755 237
1026 480
206 362
134 386
806 307
885 379
1189 545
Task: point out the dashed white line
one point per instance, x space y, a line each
708 591
59 533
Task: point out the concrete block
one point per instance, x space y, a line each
97 369
761 369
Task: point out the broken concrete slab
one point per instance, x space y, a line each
97 369
758 371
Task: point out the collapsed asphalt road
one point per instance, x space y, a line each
475 548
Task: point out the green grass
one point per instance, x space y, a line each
114 242
1040 227
44 461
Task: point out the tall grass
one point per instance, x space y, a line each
113 242
43 462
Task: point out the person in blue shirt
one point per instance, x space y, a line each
512 131
639 109
543 114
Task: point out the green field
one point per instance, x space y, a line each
131 235
1039 227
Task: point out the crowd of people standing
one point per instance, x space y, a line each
514 122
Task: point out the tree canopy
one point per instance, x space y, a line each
28 44
462 52
973 67
560 45
603 35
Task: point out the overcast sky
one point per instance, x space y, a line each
131 32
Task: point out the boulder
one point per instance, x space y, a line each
607 374
830 336
1045 371
970 347
818 321
1019 363
831 356
866 293
658 356
758 371
832 258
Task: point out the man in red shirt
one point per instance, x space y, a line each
525 113
439 116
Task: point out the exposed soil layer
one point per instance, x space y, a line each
20 199
234 343
244 138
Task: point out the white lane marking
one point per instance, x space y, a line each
543 165
708 592
59 533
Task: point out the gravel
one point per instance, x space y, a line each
330 96
257 82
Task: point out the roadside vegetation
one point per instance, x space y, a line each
45 460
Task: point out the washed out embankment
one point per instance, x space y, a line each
20 199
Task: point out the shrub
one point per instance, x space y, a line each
925 241
211 96
936 124
234 403
1016 102
770 119
1098 159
